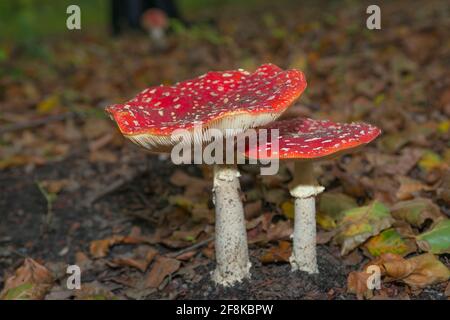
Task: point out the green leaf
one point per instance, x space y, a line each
389 241
22 292
359 224
437 240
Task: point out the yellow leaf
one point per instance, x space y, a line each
389 241
288 209
325 221
430 160
444 126
48 104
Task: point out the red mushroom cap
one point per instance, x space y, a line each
224 100
154 18
304 138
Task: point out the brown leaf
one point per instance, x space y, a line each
252 209
279 231
428 270
395 266
193 186
94 291
54 186
140 262
281 253
353 259
31 281
408 187
418 272
162 268
357 284
103 156
82 260
394 165
325 236
100 248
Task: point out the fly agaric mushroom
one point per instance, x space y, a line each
231 101
305 141
154 21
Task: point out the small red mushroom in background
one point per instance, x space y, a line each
306 141
155 22
230 101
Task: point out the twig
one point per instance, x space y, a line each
141 216
141 197
36 123
50 198
113 187
190 248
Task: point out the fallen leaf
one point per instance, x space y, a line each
325 236
359 224
48 105
141 261
94 291
95 128
357 284
288 209
332 204
280 253
436 240
100 248
408 187
82 260
394 141
106 156
354 258
428 270
252 209
430 160
325 221
394 266
54 186
417 272
276 196
162 268
31 281
389 241
279 231
443 190
393 164
188 203
416 211
194 186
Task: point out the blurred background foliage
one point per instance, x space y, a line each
26 20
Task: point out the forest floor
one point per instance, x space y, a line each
74 191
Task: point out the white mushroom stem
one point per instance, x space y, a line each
304 190
233 264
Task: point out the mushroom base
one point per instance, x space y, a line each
233 264
304 243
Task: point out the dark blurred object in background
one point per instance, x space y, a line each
154 21
126 14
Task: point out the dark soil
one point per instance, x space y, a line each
23 209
